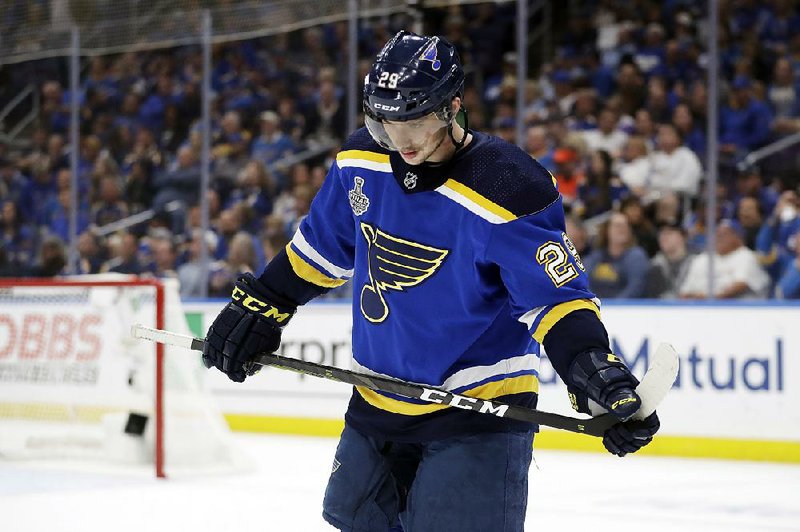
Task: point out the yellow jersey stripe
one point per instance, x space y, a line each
363 155
490 390
309 273
476 198
558 312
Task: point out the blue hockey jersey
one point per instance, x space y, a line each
458 271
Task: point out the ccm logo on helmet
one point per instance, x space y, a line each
386 107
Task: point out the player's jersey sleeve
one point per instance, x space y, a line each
541 269
322 249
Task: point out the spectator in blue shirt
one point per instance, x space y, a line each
18 239
650 54
36 195
152 109
128 116
694 137
272 144
181 182
618 268
744 121
55 107
674 67
750 183
780 235
11 180
789 284
600 75
780 26
747 16
99 80
584 111
59 217
602 190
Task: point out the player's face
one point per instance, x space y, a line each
416 139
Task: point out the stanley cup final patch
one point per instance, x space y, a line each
359 202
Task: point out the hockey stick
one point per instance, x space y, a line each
654 386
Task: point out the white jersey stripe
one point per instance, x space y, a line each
530 317
473 375
364 163
479 373
470 205
333 270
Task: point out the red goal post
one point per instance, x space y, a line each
75 384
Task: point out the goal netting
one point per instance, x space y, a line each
74 384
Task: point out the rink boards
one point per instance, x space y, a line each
736 396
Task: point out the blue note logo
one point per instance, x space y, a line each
394 264
430 54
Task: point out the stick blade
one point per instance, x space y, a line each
166 337
139 331
658 380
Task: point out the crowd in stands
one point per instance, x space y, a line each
618 115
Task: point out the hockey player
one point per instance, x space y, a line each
462 276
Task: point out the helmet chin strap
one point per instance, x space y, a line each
437 145
456 143
459 144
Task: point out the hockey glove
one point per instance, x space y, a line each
602 378
606 380
630 436
248 326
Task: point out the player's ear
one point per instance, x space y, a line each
455 105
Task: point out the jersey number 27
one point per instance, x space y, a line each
557 265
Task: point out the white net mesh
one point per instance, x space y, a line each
73 380
33 30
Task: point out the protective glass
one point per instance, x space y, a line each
411 135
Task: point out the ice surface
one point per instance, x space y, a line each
284 491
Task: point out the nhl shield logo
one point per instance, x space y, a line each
359 202
410 180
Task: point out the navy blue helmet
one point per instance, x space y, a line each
412 77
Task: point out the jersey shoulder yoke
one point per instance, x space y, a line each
504 179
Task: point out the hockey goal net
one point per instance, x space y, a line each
74 384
